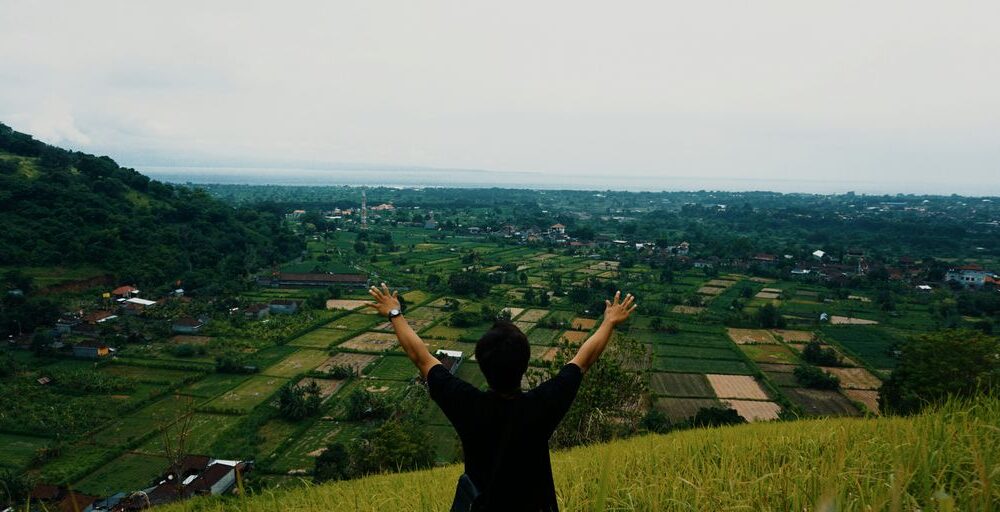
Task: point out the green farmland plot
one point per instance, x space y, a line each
16 451
871 343
302 453
213 385
695 352
394 368
249 394
686 365
298 362
445 441
320 338
203 430
75 461
543 336
129 472
353 322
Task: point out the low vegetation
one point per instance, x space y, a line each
832 464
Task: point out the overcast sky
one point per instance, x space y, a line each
880 91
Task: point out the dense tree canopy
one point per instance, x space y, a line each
60 207
936 366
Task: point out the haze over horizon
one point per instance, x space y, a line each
894 97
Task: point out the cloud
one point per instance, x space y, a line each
53 122
901 90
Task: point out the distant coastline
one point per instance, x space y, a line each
418 178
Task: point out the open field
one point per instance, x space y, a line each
792 336
854 378
749 336
779 354
583 324
299 362
346 304
356 361
736 386
18 450
680 385
869 398
815 402
685 365
844 320
371 342
753 410
249 394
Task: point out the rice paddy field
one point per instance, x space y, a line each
940 460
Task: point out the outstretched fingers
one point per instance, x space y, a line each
374 292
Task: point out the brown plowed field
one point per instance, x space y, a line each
736 386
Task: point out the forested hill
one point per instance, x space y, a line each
66 208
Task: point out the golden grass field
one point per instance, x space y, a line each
944 460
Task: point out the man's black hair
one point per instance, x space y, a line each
503 354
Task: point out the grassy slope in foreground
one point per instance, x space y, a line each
943 460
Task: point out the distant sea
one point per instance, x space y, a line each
460 178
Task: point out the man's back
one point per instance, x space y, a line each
505 438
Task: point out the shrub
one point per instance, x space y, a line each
815 378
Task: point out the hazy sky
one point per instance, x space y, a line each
880 91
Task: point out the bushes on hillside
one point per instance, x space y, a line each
815 378
933 367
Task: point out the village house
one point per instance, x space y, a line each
91 349
256 311
99 317
195 475
125 291
970 276
451 359
558 228
186 325
283 306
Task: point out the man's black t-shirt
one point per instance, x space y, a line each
524 478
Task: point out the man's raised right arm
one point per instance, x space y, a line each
615 312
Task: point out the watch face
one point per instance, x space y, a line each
394 312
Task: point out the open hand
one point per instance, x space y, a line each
384 301
618 311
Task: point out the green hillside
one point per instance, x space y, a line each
65 210
943 460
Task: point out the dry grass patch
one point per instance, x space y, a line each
356 361
790 336
583 324
345 304
533 315
762 280
767 295
844 320
710 290
574 337
371 342
817 402
736 386
721 283
753 410
417 325
854 378
514 312
687 310
866 397
750 336
524 326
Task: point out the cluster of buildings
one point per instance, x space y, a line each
192 475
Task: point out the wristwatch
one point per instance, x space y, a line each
393 313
